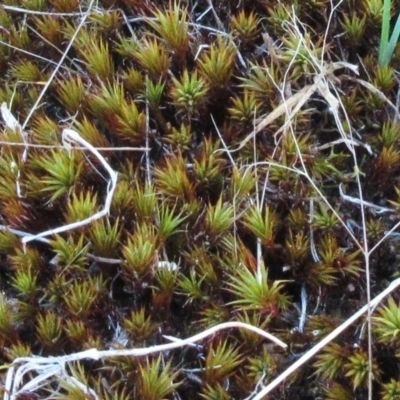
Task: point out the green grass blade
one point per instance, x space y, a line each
384 56
394 38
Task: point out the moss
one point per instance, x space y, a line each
240 159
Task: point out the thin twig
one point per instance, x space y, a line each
50 146
54 73
302 360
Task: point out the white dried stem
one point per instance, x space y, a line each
48 367
302 360
69 136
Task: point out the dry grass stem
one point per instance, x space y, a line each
70 136
51 367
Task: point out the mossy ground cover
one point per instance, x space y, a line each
231 161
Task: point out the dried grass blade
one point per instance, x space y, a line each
292 104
